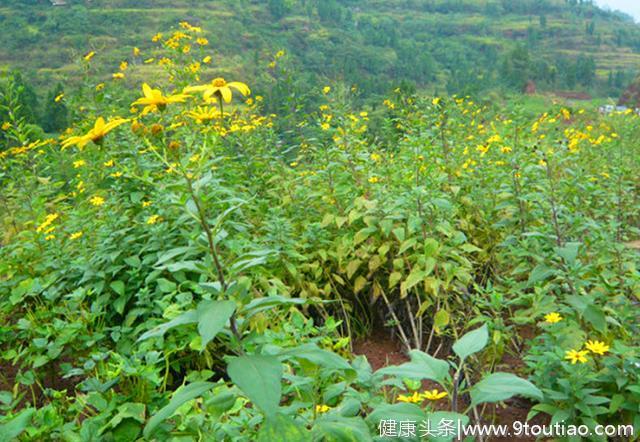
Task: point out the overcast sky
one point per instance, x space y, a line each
631 7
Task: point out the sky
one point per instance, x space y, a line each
631 7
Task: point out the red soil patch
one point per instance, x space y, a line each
573 95
380 351
633 245
51 380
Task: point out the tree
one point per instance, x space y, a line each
516 67
55 116
277 8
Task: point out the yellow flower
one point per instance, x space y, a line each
505 149
59 98
75 236
153 219
189 27
97 201
376 157
203 114
6 125
207 59
124 66
436 101
96 134
118 76
280 54
109 163
415 398
194 67
99 86
47 222
136 52
576 356
221 89
146 203
89 56
434 395
153 99
322 408
597 347
49 237
553 318
78 164
326 90
374 180
202 41
156 37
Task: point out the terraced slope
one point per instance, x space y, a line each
462 45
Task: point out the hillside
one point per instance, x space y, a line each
464 46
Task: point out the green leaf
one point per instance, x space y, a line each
127 431
334 428
317 356
416 276
472 342
328 219
569 252
362 235
181 396
261 304
212 317
394 278
596 317
166 286
616 401
17 425
359 284
188 317
422 366
441 319
118 287
282 428
259 377
129 410
502 386
352 267
539 273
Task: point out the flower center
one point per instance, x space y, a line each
219 82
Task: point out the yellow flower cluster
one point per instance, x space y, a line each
580 356
416 398
553 318
46 224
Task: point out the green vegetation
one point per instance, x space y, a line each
192 267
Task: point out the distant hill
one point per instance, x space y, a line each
464 46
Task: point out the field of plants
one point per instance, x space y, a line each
186 266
